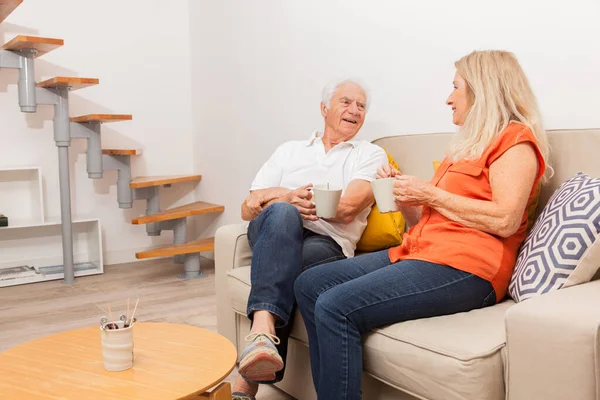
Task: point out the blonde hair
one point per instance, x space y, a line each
500 94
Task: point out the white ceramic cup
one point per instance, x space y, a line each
383 189
117 346
326 200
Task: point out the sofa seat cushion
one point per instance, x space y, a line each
451 357
443 358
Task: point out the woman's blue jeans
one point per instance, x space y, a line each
281 250
339 301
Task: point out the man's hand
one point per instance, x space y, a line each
387 171
300 198
254 202
259 199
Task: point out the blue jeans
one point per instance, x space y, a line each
340 301
281 250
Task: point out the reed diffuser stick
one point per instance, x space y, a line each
134 309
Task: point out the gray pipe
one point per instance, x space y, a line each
62 137
65 213
94 151
27 100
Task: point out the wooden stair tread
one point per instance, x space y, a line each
72 83
41 44
196 246
122 152
102 118
187 210
148 181
7 7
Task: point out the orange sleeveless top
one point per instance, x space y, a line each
439 240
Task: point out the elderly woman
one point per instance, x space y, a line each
467 224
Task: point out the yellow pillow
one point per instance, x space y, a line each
383 230
436 165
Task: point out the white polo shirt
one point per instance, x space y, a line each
298 163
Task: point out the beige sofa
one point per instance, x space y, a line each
544 348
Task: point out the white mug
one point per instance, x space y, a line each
383 189
326 200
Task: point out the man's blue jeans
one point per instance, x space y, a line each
339 301
281 250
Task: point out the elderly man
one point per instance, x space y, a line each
284 232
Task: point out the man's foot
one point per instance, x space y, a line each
242 387
241 396
260 360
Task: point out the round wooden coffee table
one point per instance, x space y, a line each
171 362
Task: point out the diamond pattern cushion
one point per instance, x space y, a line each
563 248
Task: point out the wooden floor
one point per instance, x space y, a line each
35 310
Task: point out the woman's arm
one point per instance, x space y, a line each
411 214
511 178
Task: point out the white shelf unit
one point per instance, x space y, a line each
21 195
39 249
31 246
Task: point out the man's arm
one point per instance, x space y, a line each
358 196
266 185
258 200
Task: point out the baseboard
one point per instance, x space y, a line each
128 256
121 256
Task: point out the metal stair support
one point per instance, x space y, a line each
23 61
59 97
97 162
19 54
152 197
191 262
29 97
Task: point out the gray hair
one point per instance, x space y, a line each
330 89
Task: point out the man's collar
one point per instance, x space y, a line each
317 136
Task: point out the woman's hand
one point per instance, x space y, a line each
387 171
412 191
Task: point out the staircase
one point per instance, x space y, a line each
19 53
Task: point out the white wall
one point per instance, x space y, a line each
258 68
215 86
139 49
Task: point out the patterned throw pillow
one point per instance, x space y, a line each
563 248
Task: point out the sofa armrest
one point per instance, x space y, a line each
553 345
231 251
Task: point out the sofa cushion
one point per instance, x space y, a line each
563 248
451 357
